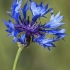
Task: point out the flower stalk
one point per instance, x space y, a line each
17 55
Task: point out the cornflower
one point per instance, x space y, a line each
25 31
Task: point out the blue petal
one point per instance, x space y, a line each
14 39
58 15
11 30
18 6
38 10
53 24
35 17
9 24
6 23
47 11
60 36
8 30
46 43
55 31
46 6
33 8
41 4
25 8
60 33
14 4
54 21
14 33
16 16
22 39
16 9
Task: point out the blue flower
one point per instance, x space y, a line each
25 31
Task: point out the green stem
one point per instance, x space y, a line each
17 57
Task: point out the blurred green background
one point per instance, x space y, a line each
35 57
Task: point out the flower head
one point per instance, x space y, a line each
25 31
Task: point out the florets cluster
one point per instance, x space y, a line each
33 31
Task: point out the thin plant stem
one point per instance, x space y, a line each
17 57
